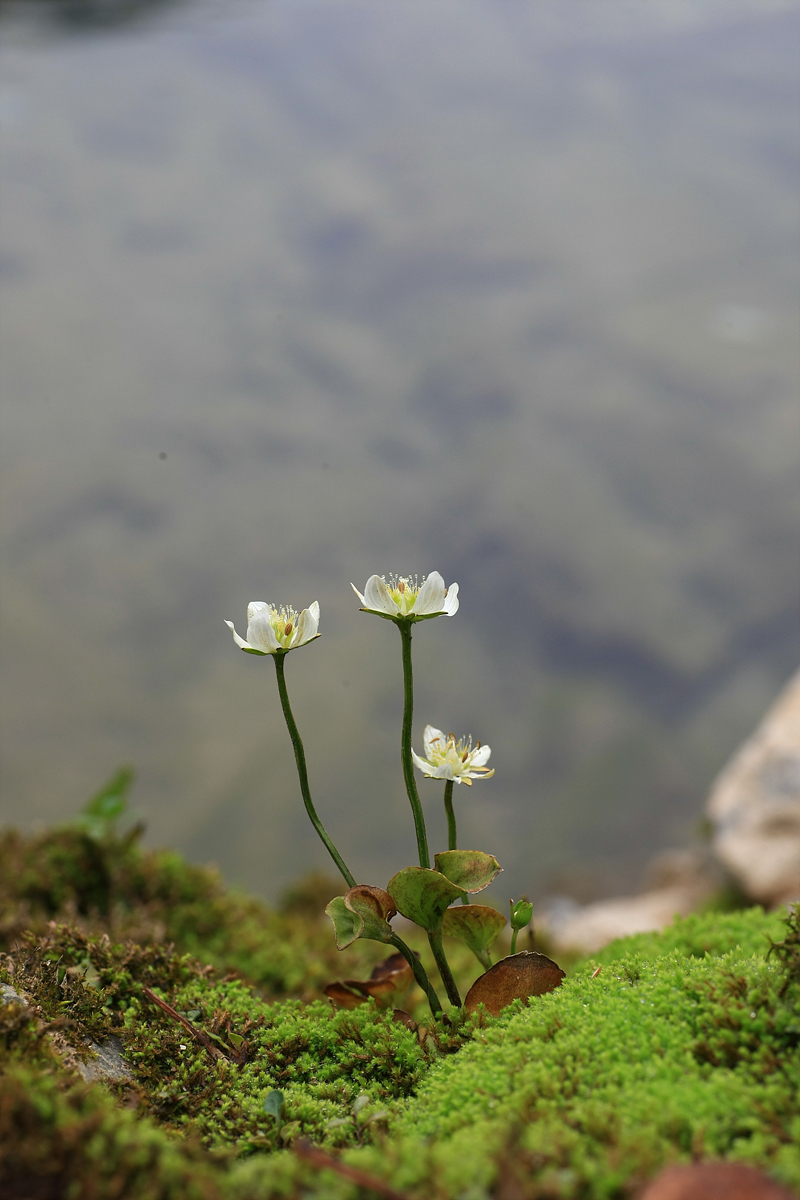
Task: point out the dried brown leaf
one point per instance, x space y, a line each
514 978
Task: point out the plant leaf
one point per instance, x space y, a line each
347 924
273 1106
423 895
475 924
514 978
471 870
343 995
389 980
99 815
375 907
362 912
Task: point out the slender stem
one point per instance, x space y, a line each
405 746
419 973
514 942
435 939
300 759
452 837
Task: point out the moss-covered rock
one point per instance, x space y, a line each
665 1047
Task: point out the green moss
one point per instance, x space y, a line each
591 1089
111 885
71 1142
686 1044
750 930
322 1059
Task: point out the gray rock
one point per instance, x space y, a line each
107 1064
680 880
754 806
9 994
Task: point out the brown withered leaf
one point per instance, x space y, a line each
401 1017
342 994
394 965
514 978
389 981
715 1181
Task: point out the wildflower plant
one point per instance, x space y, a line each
435 897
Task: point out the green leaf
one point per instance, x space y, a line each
347 925
100 814
375 907
362 912
273 1107
471 870
476 925
422 895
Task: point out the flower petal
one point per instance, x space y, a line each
260 634
430 596
431 736
358 593
450 603
479 758
240 642
307 625
256 606
425 767
378 597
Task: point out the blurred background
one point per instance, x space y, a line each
295 291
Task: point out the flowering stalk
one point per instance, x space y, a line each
300 759
452 839
419 973
405 746
452 835
521 914
435 940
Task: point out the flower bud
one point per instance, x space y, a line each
521 914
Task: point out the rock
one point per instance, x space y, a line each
715 1181
107 1064
754 806
8 994
680 881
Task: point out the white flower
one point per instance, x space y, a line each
402 596
446 758
273 630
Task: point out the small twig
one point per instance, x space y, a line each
196 1033
319 1158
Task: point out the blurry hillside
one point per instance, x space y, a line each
324 289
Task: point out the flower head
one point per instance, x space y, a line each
276 630
403 597
446 758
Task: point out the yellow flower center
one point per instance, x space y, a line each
457 753
284 622
404 590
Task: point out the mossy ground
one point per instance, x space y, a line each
684 1045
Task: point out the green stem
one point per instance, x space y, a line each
405 746
419 973
300 759
514 942
452 838
435 939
